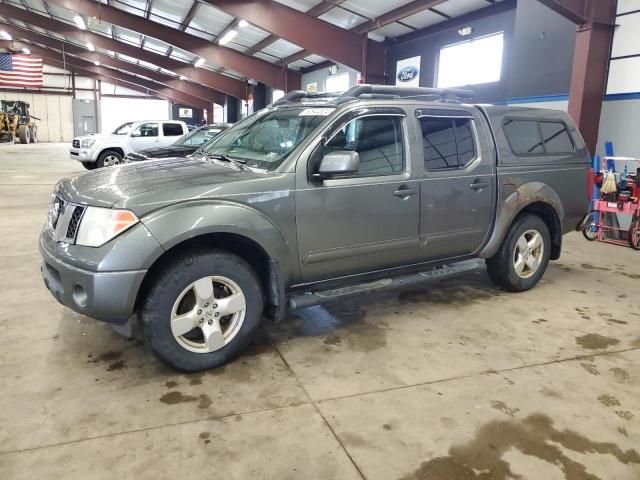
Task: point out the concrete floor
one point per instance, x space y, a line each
461 381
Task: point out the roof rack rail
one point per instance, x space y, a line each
298 95
454 95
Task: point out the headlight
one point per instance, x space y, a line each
99 225
88 143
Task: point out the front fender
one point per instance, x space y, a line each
513 204
178 223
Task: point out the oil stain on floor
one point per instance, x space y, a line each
595 341
482 457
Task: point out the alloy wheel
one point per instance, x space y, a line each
208 314
528 254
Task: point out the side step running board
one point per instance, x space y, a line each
309 299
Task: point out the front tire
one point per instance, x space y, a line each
202 310
109 158
23 134
523 256
90 165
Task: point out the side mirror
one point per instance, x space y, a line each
340 162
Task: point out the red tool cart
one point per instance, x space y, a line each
619 194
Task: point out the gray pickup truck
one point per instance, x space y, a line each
313 194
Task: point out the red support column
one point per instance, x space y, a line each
589 77
210 113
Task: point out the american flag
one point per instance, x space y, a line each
20 70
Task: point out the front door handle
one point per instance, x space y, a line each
478 185
405 192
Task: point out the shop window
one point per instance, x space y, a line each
471 62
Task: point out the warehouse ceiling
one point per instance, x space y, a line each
219 42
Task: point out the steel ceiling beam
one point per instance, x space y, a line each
193 10
195 6
109 75
392 16
222 83
251 67
54 62
317 11
582 11
396 15
313 34
200 91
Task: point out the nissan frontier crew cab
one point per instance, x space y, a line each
106 150
310 194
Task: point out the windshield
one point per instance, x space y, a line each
199 136
265 139
123 129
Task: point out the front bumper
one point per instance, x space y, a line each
106 296
82 154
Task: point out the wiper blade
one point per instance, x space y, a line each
221 156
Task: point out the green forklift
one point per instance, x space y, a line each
17 123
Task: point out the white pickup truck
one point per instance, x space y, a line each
108 149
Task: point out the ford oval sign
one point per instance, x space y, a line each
406 74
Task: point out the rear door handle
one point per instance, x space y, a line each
405 192
477 185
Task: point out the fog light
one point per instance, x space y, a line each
80 295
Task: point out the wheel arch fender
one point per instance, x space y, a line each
534 197
112 148
233 226
196 218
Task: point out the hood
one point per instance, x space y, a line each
154 182
162 152
101 136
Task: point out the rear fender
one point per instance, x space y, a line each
525 195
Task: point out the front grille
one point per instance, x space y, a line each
76 144
64 219
74 222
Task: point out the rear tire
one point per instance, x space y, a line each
23 134
34 134
177 318
523 256
109 158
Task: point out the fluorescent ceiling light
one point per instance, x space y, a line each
5 35
26 51
227 37
96 63
79 21
199 62
90 47
465 31
243 24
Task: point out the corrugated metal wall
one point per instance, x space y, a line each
54 110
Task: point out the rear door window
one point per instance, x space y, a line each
448 143
523 136
172 129
556 138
